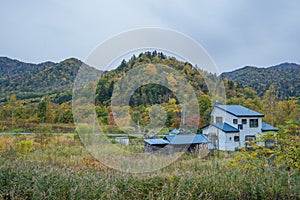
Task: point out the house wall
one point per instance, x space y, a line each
216 136
217 112
224 141
227 117
230 144
211 132
249 131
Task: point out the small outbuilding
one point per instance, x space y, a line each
177 143
123 140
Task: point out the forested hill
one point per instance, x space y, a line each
55 80
285 77
151 93
33 81
28 80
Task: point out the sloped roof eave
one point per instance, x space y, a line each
234 130
156 141
266 130
267 127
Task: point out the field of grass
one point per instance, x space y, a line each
59 167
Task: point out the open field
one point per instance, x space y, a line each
58 167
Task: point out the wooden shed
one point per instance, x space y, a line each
177 143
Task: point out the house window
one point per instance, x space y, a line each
219 120
271 144
236 138
240 126
244 121
249 138
249 141
253 123
235 121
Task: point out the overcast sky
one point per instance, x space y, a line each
235 33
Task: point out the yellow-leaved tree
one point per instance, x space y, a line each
284 155
269 105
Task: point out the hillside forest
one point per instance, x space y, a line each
50 102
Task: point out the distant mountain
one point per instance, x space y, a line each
28 80
13 68
285 77
33 81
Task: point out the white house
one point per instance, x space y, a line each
233 125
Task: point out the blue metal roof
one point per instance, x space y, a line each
239 111
268 127
225 127
156 141
174 131
169 137
179 139
187 139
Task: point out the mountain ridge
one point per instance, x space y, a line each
285 77
29 80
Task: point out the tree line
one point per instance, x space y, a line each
57 109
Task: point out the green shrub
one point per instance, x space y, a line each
25 147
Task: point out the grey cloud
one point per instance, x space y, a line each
235 33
